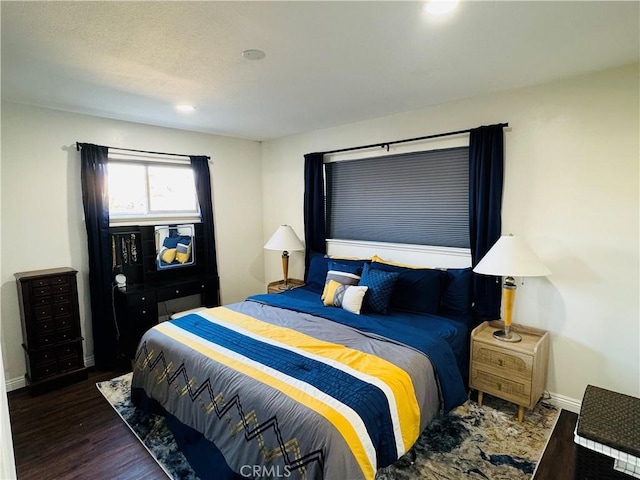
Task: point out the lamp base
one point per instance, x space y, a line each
506 337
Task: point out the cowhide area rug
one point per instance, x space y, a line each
471 442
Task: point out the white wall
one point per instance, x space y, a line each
571 190
7 460
42 217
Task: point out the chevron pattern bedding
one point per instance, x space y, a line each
278 393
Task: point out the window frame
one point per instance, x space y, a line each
157 216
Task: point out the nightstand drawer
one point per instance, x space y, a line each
512 389
512 363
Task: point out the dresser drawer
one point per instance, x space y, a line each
64 322
44 327
58 289
41 312
70 363
41 301
183 290
499 360
38 372
44 357
61 309
44 340
42 291
511 389
60 280
69 350
65 336
63 297
40 282
146 298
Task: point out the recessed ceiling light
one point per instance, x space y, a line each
253 54
440 7
185 108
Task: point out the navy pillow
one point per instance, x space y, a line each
380 285
346 274
457 296
317 272
172 241
319 266
417 290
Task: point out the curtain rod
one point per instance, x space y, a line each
386 144
78 144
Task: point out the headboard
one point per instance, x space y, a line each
416 255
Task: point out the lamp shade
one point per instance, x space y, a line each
284 239
510 256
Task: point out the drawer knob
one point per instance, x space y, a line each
500 362
144 311
144 298
177 291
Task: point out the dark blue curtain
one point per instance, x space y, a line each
315 235
486 174
95 199
202 177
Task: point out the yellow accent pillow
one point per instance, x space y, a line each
169 255
329 291
377 259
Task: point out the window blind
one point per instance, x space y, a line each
415 198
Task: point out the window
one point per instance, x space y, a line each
153 191
417 198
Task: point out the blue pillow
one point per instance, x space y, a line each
343 273
380 285
418 290
172 241
317 272
457 295
316 275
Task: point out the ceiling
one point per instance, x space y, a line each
327 63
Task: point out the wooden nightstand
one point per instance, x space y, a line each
278 287
516 372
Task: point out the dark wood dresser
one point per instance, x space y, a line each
136 306
50 328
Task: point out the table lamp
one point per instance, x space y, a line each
285 240
510 257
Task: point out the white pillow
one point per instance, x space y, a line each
352 299
349 297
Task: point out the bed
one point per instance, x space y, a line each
300 385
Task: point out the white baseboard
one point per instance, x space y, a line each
20 382
562 401
15 383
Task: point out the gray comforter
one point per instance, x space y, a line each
283 394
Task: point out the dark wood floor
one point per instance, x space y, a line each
73 433
558 460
